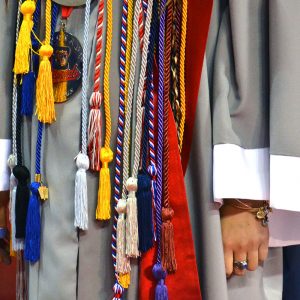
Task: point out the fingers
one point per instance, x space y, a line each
263 252
228 256
252 260
239 257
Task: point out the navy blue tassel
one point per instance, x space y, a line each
33 225
22 199
145 219
28 85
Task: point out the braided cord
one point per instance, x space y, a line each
166 100
128 111
97 72
15 93
48 22
84 101
139 111
106 74
128 50
121 119
182 72
160 141
19 129
175 91
149 127
55 10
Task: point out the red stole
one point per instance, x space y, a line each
184 284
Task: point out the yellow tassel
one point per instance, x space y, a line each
44 88
60 88
12 253
23 46
124 280
104 193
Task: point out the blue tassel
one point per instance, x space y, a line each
161 290
145 219
33 226
28 85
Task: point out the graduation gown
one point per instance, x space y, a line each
239 90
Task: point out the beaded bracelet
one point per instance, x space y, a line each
260 212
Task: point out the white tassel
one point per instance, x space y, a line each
132 234
17 244
122 261
81 198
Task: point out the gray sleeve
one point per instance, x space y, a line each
7 41
240 102
240 79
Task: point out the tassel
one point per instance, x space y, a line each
15 244
44 88
81 197
161 291
132 236
104 193
22 199
23 46
167 241
94 131
124 280
28 85
33 225
145 218
122 262
60 88
118 291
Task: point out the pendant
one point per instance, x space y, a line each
66 65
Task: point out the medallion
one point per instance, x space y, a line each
67 63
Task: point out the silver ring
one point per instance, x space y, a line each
240 265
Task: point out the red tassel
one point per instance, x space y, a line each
94 131
167 242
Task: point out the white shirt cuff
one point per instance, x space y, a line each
240 173
285 182
5 146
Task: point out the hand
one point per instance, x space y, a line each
4 243
244 238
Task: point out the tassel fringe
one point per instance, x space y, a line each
103 211
94 131
81 197
44 88
22 59
132 237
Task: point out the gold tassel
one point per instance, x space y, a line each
60 88
23 46
124 280
104 193
44 88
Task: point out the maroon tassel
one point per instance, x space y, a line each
167 243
